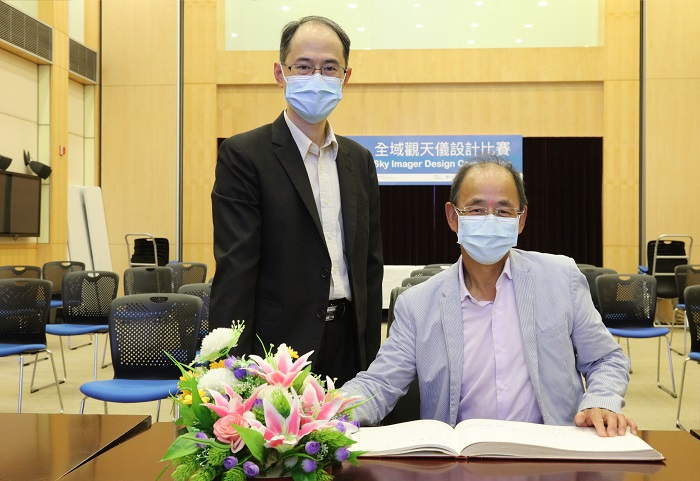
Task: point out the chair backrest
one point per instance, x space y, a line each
663 255
20 272
582 266
395 292
437 266
24 310
426 272
144 327
627 300
188 273
591 274
686 275
87 296
692 310
55 271
203 291
412 281
148 280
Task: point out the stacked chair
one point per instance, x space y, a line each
692 311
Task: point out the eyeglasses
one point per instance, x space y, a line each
306 69
502 212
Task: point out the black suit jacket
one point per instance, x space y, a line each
272 263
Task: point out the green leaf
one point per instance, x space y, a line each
299 380
352 459
182 446
299 475
253 440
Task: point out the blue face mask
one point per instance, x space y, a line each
313 97
486 238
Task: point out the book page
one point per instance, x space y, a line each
422 437
553 439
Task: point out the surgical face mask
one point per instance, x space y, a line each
487 238
313 97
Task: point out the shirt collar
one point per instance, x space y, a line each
304 143
464 292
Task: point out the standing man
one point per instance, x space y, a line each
296 218
503 333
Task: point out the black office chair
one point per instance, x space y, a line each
24 310
142 329
203 291
188 273
663 255
686 275
20 272
628 308
148 280
591 273
412 281
692 311
55 271
428 271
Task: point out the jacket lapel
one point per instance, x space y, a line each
288 154
524 284
452 325
348 195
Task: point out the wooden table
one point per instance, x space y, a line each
137 459
44 447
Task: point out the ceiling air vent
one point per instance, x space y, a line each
29 35
82 61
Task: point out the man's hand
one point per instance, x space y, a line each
616 423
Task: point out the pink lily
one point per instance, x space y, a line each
234 404
319 402
280 370
283 433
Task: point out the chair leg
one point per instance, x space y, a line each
104 352
680 397
35 389
676 313
82 405
21 371
55 376
73 348
158 411
94 365
672 391
629 354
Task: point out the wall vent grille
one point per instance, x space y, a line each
22 31
82 61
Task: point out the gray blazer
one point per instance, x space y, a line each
565 343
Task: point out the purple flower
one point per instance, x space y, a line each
342 453
257 403
240 373
201 435
312 447
250 469
230 362
344 418
308 465
355 423
230 462
341 427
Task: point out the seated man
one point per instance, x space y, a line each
503 333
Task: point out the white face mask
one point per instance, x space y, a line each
313 97
486 238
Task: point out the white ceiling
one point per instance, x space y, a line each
423 24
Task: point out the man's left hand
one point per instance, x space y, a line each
606 423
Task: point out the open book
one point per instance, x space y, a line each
486 438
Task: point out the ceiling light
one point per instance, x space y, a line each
352 5
42 170
478 4
360 29
470 42
542 4
286 8
518 40
420 25
528 25
475 25
234 34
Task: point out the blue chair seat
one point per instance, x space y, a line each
695 356
75 329
639 333
130 390
14 349
56 303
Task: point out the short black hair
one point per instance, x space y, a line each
291 28
482 160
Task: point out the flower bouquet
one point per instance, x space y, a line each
258 417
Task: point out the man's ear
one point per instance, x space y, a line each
452 217
279 76
523 217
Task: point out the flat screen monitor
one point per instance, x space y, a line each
20 205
